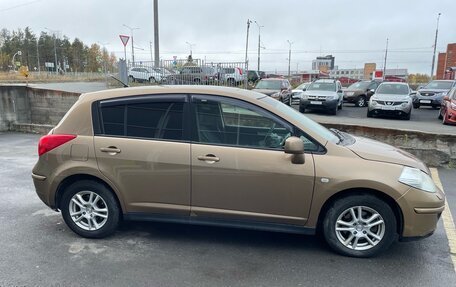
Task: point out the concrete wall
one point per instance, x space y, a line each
21 105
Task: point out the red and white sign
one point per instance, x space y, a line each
378 75
124 39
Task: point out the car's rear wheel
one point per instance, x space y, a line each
90 209
132 79
302 109
407 116
361 101
360 225
334 111
231 82
152 80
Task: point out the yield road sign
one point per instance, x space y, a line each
124 39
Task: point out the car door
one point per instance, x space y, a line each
239 168
142 147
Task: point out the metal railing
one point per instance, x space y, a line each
187 72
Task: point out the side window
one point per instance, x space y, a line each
153 120
237 124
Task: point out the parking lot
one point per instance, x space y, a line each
39 250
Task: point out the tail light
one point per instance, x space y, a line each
240 71
50 142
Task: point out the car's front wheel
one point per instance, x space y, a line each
360 225
90 209
361 101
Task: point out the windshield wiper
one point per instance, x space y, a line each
339 134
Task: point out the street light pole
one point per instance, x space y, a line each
156 37
386 56
54 32
14 62
246 52
38 56
259 44
191 48
289 57
435 45
132 43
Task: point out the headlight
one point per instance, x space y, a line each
349 93
418 93
373 102
276 95
418 179
304 96
334 97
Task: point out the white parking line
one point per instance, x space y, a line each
447 218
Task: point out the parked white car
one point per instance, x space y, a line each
151 75
233 76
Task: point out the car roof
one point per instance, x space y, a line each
272 79
398 83
326 80
165 89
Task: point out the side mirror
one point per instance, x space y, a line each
446 99
372 90
295 147
339 91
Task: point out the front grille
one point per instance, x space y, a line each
390 103
427 94
317 98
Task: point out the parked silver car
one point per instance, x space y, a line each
323 94
391 99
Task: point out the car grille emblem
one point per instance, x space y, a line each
389 103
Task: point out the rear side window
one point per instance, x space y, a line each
153 120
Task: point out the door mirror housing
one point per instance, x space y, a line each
295 147
372 90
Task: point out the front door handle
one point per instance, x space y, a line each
112 150
209 158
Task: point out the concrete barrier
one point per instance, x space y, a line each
34 110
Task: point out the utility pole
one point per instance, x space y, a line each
151 53
259 45
435 45
246 53
132 44
156 38
386 56
289 57
38 56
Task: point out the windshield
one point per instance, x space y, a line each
302 86
359 86
308 123
319 86
269 85
393 89
441 85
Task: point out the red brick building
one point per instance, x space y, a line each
445 62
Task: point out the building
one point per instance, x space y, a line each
324 63
367 73
445 62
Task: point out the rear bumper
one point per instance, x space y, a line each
42 188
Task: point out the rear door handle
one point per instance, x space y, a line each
209 158
111 150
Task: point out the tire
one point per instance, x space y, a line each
340 106
302 109
197 81
152 80
407 116
361 101
444 118
106 203
416 106
435 107
340 211
231 82
440 116
369 114
334 111
131 79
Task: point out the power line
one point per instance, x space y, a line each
19 5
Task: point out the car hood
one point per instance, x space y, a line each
297 91
266 92
354 90
320 93
390 98
376 151
433 90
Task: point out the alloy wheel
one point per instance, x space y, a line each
88 210
360 228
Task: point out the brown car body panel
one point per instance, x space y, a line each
160 177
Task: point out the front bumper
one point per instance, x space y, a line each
388 110
427 101
319 104
421 211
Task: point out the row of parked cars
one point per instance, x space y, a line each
381 98
231 76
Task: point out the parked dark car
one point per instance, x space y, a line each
253 77
324 95
279 89
359 93
432 94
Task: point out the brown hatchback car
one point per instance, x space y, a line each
229 157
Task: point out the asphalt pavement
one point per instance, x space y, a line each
39 250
